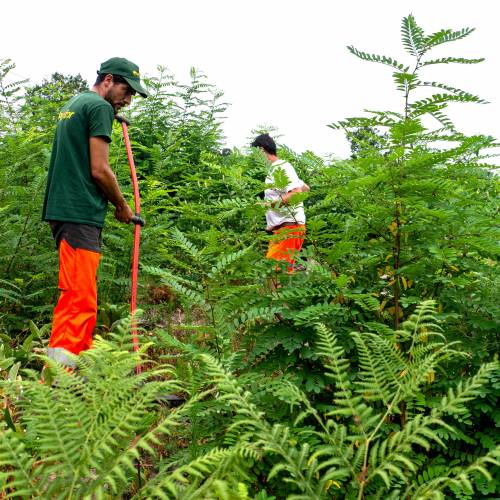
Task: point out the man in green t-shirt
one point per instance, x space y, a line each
79 185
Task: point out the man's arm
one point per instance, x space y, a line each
286 197
294 180
282 200
105 178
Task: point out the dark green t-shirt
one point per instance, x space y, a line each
72 195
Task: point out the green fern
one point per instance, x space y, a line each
413 36
82 436
376 58
355 443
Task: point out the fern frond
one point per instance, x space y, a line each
459 477
355 122
413 36
180 239
169 276
438 101
337 368
10 292
316 312
85 431
459 92
405 81
445 36
189 481
17 467
365 301
190 290
378 59
395 454
444 120
382 367
252 314
250 425
54 422
307 291
448 60
225 261
454 401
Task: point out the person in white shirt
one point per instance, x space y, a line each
285 219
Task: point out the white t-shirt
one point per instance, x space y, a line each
285 213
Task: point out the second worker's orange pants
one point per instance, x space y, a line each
286 243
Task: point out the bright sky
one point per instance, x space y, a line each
279 62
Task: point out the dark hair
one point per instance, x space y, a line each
266 142
116 78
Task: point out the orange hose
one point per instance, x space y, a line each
137 238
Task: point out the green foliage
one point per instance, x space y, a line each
354 444
44 101
82 436
10 95
333 382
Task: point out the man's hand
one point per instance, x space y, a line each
286 198
123 213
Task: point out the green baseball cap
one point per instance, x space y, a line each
126 69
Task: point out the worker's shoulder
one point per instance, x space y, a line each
280 163
285 165
88 100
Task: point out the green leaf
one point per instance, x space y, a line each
378 59
448 60
412 36
445 36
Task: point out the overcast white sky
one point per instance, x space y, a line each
279 62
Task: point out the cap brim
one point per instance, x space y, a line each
137 87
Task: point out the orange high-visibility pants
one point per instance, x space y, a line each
76 310
286 243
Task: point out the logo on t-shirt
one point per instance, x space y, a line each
66 115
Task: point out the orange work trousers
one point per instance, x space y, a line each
76 310
286 243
